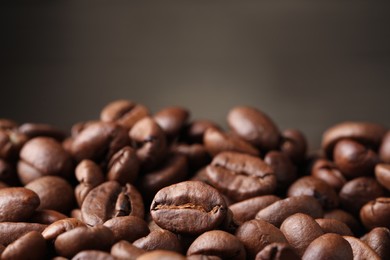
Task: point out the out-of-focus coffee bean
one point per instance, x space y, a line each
172 120
194 131
376 213
328 172
294 145
379 240
17 204
334 226
32 130
6 124
384 150
277 251
126 250
77 128
285 171
127 228
161 255
197 155
7 172
344 217
382 174
203 257
360 249
11 141
93 255
159 239
329 246
123 166
76 213
3 185
46 216
61 226
11 231
29 246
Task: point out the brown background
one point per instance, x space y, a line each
308 64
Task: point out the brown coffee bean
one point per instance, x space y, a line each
217 141
2 248
76 213
328 172
77 128
78 239
376 213
256 234
255 127
194 131
161 255
61 226
196 154
218 243
54 193
172 120
93 255
7 171
382 174
126 250
42 156
46 216
300 230
123 112
203 257
379 240
127 228
247 209
29 246
285 171
358 192
294 145
277 212
360 249
17 204
11 141
110 200
277 251
240 176
190 207
329 246
159 239
334 226
353 159
384 150
3 185
344 217
11 231
123 166
32 130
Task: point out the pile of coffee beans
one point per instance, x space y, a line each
137 185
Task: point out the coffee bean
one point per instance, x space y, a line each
46 216
159 239
77 128
11 231
161 255
334 226
7 172
255 127
6 124
203 257
360 249
76 213
127 228
61 226
379 240
277 251
329 246
93 255
328 172
126 250
384 150
172 120
285 171
17 204
32 130
2 248
294 145
218 243
29 246
123 166
344 217
11 141
194 131
382 174
376 213
190 207
196 154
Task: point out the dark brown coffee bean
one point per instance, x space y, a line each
127 228
360 249
43 156
123 112
217 141
376 213
277 212
255 127
150 143
353 159
46 216
11 141
384 150
294 145
7 124
240 176
61 226
283 168
110 200
10 231
334 226
126 250
256 234
17 204
194 131
328 172
300 230
197 155
93 255
379 240
247 209
190 207
358 192
329 246
218 243
32 130
29 246
366 133
54 193
159 239
382 174
277 251
316 188
161 255
344 217
123 166
172 120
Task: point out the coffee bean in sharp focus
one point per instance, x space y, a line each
329 246
17 204
379 240
29 246
376 213
172 120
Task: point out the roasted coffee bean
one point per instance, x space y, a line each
80 126
127 228
3 185
161 255
300 230
218 243
294 145
123 166
190 207
197 155
17 204
358 192
110 200
76 213
172 120
329 246
46 216
78 239
93 255
217 141
256 234
285 171
344 217
354 159
384 150
277 251
316 188
379 240
150 142
32 130
240 176
247 209
61 226
6 124
194 131
2 248
42 156
277 212
328 172
203 257
334 226
49 190
126 250
159 239
376 213
124 112
11 231
29 246
255 127
366 133
361 250
382 174
11 141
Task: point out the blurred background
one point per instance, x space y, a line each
307 64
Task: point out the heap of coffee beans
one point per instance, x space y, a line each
137 185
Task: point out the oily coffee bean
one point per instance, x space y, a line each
123 166
11 141
29 246
196 154
194 131
294 145
255 127
329 246
172 120
161 255
17 204
124 112
382 174
46 216
384 150
32 130
255 234
344 217
218 243
360 249
49 190
126 250
240 176
277 251
93 255
159 239
353 159
127 228
11 231
283 168
376 213
110 200
379 240
328 172
61 226
277 212
334 226
42 156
